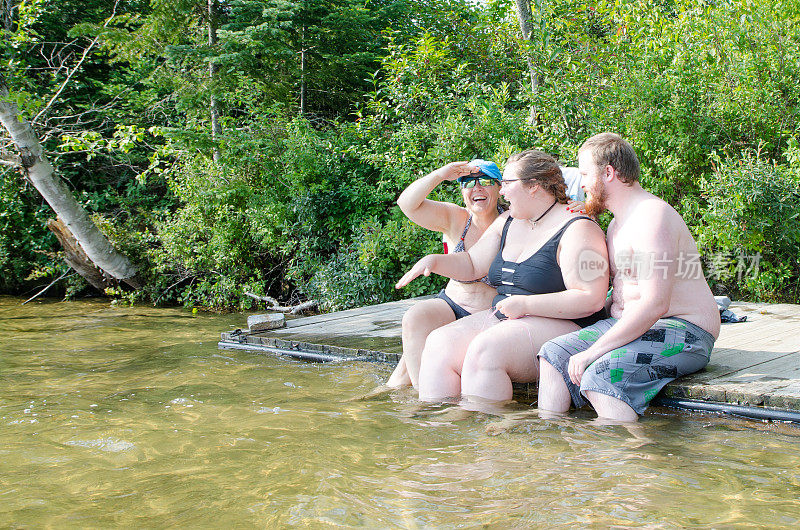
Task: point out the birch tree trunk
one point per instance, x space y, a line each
40 173
524 16
216 128
7 14
303 72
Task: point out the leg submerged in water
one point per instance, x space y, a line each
399 377
556 391
418 322
610 408
620 383
443 357
553 392
506 353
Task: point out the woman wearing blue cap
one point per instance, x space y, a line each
461 227
550 266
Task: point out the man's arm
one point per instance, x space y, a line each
655 251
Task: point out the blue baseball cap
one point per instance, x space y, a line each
488 168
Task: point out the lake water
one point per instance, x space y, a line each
132 417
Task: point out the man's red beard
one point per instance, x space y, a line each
596 198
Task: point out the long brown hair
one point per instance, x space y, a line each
537 167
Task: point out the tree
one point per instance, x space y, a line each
524 16
7 14
38 170
216 127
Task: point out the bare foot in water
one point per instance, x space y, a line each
399 377
447 414
508 422
500 427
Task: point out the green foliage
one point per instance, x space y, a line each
387 250
303 206
25 243
751 227
366 271
316 204
676 79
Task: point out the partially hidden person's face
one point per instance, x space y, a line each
481 198
592 183
515 191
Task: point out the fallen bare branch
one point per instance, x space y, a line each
68 271
276 306
74 70
168 288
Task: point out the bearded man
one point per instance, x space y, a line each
664 319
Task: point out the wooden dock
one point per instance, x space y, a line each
754 365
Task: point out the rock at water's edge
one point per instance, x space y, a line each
265 322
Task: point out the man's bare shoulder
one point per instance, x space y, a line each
650 205
652 225
651 213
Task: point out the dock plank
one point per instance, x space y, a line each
758 331
389 309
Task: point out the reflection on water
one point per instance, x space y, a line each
123 417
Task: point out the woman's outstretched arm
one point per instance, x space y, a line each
463 266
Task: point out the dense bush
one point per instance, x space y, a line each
299 206
293 209
26 246
365 271
750 228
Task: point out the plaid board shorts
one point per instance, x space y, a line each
636 372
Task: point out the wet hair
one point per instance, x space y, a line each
610 149
537 167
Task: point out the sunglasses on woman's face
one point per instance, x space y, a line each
470 182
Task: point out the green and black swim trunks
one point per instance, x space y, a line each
637 371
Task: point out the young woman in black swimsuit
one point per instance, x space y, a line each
461 227
551 268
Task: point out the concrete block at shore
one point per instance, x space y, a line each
265 322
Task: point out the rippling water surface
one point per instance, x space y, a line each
132 416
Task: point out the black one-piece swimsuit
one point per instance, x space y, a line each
539 274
